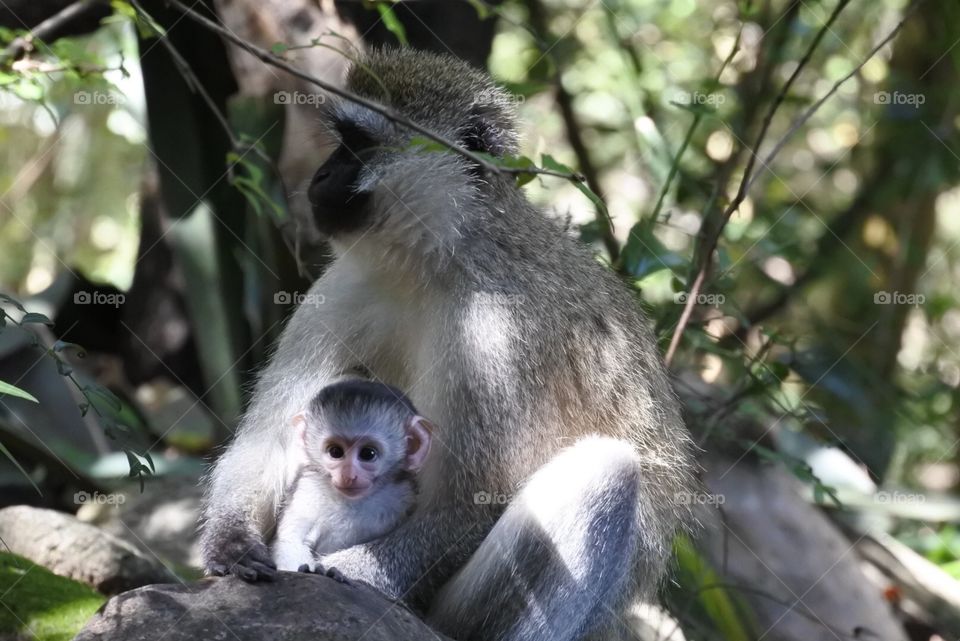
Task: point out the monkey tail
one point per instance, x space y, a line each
562 554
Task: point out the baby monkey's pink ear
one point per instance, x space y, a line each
419 431
299 423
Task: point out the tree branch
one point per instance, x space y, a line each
57 25
805 116
675 165
710 238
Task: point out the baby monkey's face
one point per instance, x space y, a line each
363 451
356 464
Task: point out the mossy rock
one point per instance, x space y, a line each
41 605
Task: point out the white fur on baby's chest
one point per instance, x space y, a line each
347 523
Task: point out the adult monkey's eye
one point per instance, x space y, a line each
353 138
335 451
368 454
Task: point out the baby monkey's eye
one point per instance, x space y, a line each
368 454
335 451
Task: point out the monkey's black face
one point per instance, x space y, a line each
339 204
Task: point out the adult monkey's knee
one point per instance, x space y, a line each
561 557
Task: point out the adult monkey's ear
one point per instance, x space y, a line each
490 128
419 433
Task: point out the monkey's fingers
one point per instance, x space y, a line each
336 575
218 569
251 571
256 564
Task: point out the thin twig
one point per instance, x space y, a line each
573 128
711 238
267 57
675 166
52 27
775 106
28 65
812 109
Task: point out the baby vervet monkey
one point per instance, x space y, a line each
360 446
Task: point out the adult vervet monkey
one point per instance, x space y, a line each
550 500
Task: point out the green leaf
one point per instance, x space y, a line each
549 162
146 25
103 393
124 9
779 369
725 609
279 48
483 11
392 23
35 317
149 459
521 163
644 254
426 144
13 390
516 162
62 346
137 469
251 186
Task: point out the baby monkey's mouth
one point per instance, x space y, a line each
354 492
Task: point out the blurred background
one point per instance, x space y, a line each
778 180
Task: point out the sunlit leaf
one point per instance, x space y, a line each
13 390
724 608
252 187
644 254
549 162
392 23
100 392
483 11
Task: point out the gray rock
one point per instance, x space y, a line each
296 607
79 551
